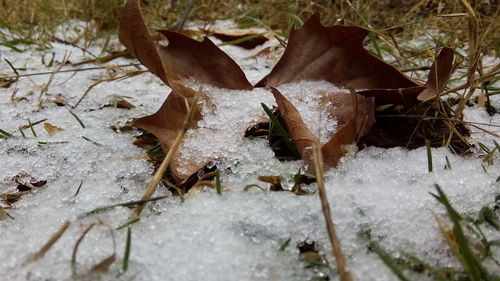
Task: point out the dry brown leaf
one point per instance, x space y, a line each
134 35
181 60
185 58
351 126
334 54
439 75
51 129
299 132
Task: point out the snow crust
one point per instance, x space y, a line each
236 236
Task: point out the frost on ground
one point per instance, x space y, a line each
236 236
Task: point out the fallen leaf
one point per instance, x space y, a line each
59 100
51 129
135 36
334 54
355 116
299 132
353 121
439 75
181 60
314 52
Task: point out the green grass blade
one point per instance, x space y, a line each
298 21
126 255
4 134
242 39
127 224
472 264
285 244
218 183
22 133
373 39
127 204
448 163
77 119
247 188
429 155
13 47
11 66
104 49
389 261
282 131
31 128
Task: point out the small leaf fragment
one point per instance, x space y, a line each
51 129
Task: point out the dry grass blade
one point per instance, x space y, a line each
127 75
325 206
474 55
75 250
53 239
104 265
45 87
71 70
150 190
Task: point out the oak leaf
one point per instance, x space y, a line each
314 52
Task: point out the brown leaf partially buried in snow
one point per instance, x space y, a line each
299 132
336 54
351 125
183 59
248 38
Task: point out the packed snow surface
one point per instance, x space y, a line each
233 236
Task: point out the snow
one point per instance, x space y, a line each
235 236
228 113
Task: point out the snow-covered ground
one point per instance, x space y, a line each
236 236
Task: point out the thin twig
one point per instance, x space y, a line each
325 206
150 190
